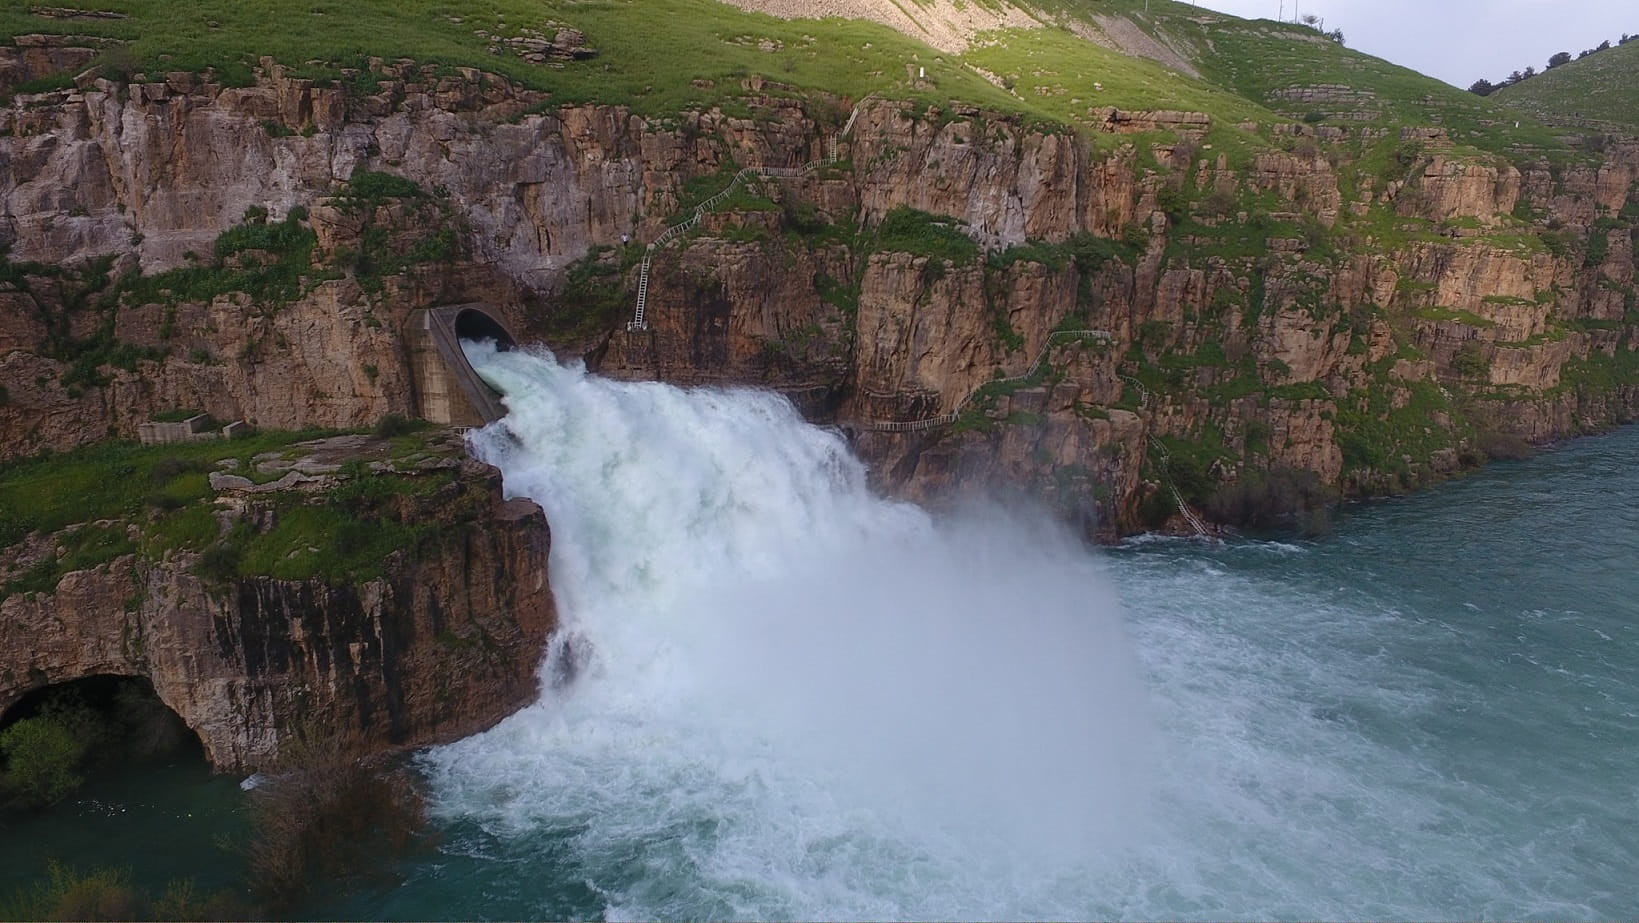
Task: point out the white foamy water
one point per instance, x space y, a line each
797 700
794 698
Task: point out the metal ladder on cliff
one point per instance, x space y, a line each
639 321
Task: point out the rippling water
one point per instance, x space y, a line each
797 700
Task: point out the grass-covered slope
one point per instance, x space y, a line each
108 500
659 56
1305 76
1602 87
665 56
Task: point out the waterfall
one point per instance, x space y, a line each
791 697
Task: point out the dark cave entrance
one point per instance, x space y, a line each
56 737
110 811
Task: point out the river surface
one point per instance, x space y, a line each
792 699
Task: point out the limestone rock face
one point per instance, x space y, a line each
1457 189
33 57
444 645
1291 335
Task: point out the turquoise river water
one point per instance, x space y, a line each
796 700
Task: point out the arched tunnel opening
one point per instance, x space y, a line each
478 326
54 738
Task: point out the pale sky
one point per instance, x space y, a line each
1460 41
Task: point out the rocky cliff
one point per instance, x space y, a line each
1375 307
422 618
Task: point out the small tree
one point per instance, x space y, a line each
42 761
1564 57
1483 87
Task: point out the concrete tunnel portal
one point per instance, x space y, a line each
448 390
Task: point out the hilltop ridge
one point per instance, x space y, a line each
1600 88
1064 61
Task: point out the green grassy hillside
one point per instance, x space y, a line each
659 56
1603 87
665 56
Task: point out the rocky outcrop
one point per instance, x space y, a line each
35 57
445 642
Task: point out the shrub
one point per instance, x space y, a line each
107 893
326 817
100 894
1174 201
394 425
1470 361
219 562
368 188
1274 498
1504 446
1220 203
908 230
42 761
172 467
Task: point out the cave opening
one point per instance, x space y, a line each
93 773
54 738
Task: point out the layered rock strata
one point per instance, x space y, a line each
1365 305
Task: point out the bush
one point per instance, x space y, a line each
219 562
326 817
43 760
1504 446
394 425
908 230
109 894
368 189
100 894
1279 497
172 467
1470 361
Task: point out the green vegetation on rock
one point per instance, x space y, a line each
106 501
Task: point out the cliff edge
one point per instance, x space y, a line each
371 592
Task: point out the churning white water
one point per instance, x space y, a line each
791 697
794 699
